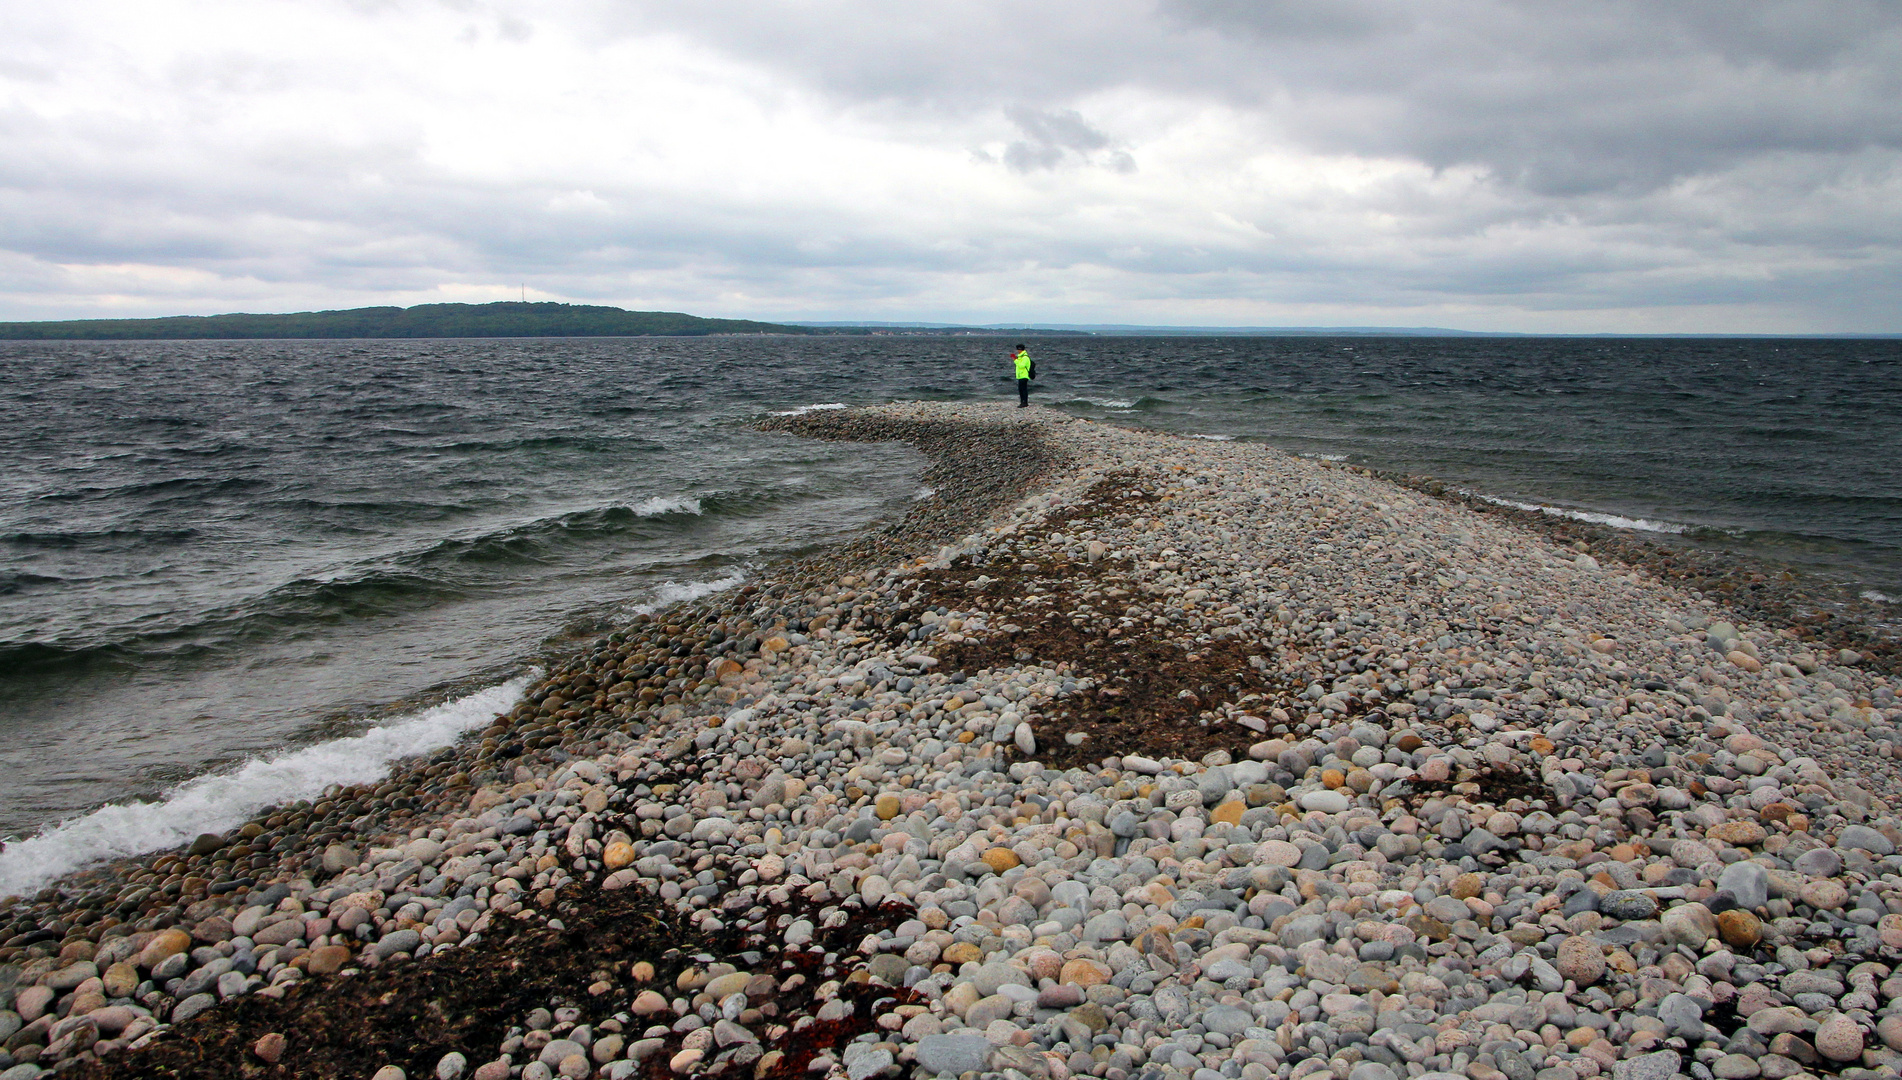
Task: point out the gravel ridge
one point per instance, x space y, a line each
1125 755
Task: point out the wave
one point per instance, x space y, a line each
110 539
1880 597
222 801
1616 521
1102 402
668 504
1212 438
1324 457
804 409
674 592
165 491
443 570
13 581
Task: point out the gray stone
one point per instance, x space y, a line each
1818 862
1627 904
1371 1070
989 978
953 1054
1866 839
1228 1019
1302 929
452 1066
397 941
1106 926
1682 1016
558 1051
1748 882
192 1006
1657 1065
1325 801
865 1066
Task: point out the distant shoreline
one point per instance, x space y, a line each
506 319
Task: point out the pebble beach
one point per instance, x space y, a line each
1124 755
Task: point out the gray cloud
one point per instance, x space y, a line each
1050 138
1502 163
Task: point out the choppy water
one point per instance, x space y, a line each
213 553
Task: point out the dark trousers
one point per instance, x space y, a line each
1023 392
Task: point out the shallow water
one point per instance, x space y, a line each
216 552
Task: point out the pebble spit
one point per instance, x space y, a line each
1126 755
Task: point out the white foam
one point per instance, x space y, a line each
1879 597
225 800
1105 403
804 409
674 592
1616 521
1213 438
1326 457
924 493
668 504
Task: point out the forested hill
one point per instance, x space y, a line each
506 319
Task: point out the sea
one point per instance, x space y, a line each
235 572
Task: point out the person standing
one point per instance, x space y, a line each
1026 371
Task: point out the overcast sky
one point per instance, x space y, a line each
1582 166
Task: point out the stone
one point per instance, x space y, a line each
451 1066
1278 853
1229 813
1839 1038
1324 801
1748 881
1735 1067
1081 972
1580 960
648 1003
617 855
1864 838
1000 859
952 1055
390 1072
870 1064
1682 1016
163 946
1658 1065
1740 929
269 1047
1024 738
1627 904
1818 862
1228 1019
1689 924
559 1050
397 941
886 806
1824 894
328 959
192 1006
1739 833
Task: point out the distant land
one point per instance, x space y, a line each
504 319
1137 330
